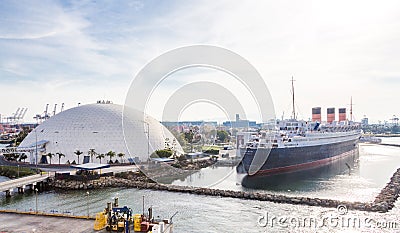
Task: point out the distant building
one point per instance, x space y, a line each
239 123
188 123
364 121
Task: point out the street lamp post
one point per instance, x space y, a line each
36 149
87 203
148 142
36 196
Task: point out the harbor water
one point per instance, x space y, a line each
3 178
215 214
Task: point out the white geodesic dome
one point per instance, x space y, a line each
99 127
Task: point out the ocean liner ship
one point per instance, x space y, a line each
297 145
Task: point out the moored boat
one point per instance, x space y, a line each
296 145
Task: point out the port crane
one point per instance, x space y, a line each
17 116
55 108
46 115
395 120
40 118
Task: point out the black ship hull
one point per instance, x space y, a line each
304 181
288 160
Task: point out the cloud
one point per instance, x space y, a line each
328 47
27 36
63 44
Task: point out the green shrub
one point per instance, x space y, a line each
12 171
211 151
166 153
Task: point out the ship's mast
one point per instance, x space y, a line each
351 108
294 110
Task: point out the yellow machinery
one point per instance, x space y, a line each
101 221
118 225
114 218
137 221
121 219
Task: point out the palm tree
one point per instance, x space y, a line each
189 136
50 155
78 153
60 155
92 153
121 155
100 156
110 154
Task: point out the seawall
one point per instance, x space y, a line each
386 144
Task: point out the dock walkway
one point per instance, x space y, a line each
20 183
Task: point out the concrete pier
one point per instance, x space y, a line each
33 182
21 190
17 222
8 192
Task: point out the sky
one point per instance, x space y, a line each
72 52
